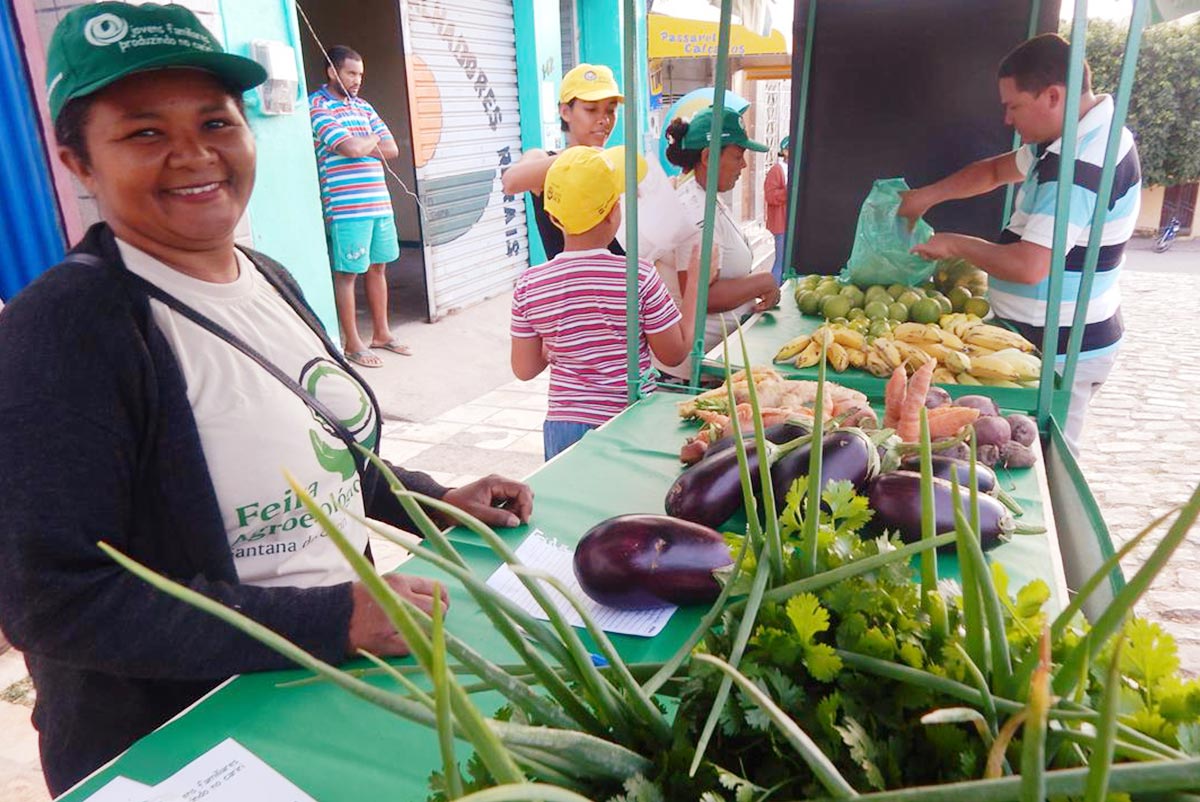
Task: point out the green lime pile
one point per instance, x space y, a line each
874 310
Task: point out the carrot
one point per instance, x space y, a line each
948 420
909 424
893 397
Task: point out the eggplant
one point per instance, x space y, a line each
778 433
946 467
846 455
710 492
896 499
645 561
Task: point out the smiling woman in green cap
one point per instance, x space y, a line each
151 387
736 291
588 101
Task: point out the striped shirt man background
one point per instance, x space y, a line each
1033 221
351 188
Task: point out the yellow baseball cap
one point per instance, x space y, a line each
583 185
589 82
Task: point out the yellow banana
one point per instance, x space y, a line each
943 376
837 357
967 378
978 350
1028 366
911 354
849 338
914 333
793 347
955 361
1001 383
993 367
887 349
997 338
857 357
810 356
959 324
877 365
947 338
822 334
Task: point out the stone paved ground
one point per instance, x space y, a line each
1141 447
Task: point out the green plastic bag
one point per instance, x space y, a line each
882 241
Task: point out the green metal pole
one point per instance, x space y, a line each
1062 211
1035 11
1133 42
710 191
633 374
797 148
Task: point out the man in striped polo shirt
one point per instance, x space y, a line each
352 144
1033 89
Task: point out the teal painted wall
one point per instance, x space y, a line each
601 39
285 209
539 75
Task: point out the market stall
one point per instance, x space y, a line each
335 746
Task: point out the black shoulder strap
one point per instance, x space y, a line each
205 322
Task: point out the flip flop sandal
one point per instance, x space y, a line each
364 359
395 347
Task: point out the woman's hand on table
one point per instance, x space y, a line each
370 629
494 500
769 296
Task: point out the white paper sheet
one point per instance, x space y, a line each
228 773
122 789
539 552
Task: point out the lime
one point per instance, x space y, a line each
835 306
810 304
926 310
944 303
840 321
859 324
877 293
853 293
879 328
876 310
977 306
958 297
898 312
909 297
896 290
857 314
811 282
828 286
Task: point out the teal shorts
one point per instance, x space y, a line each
355 245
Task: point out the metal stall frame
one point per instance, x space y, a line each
1087 540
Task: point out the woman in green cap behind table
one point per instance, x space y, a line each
736 292
151 386
587 106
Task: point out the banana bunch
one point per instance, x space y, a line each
956 347
974 333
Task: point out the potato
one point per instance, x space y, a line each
1023 428
936 397
1017 455
992 430
985 405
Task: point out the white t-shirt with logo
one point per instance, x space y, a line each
252 428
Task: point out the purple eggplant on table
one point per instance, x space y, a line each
946 467
645 561
710 492
896 499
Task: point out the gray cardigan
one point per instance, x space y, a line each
98 442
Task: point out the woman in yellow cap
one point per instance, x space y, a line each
587 108
151 386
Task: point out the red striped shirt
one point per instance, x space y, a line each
576 304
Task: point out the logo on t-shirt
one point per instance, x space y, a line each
348 401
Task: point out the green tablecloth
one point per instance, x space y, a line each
335 747
765 333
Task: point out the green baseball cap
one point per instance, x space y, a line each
786 143
98 44
699 132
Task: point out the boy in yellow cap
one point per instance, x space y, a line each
587 106
569 313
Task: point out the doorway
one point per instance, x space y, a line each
373 28
1179 201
